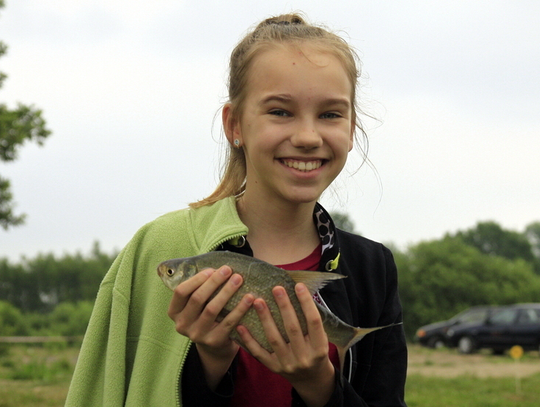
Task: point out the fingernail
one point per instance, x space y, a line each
258 305
208 272
279 292
225 271
236 280
300 288
249 299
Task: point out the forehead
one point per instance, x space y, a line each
300 68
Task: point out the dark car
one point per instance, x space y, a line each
517 324
435 335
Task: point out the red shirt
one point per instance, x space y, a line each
255 384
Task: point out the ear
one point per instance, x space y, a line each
231 125
351 137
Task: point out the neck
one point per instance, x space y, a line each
279 233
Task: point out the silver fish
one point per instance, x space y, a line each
259 278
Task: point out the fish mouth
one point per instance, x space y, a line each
161 270
303 165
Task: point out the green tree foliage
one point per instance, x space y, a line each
17 126
440 278
343 221
39 284
66 319
12 322
532 232
490 238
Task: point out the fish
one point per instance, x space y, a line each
259 278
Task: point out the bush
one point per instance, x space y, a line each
12 321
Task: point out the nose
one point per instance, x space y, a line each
306 136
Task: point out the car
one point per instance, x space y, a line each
517 324
435 335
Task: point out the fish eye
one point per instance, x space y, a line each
170 272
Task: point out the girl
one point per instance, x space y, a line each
290 122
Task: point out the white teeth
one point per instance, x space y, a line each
302 165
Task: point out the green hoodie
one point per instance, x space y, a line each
131 354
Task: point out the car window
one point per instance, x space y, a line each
529 316
504 317
473 316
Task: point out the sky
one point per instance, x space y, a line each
131 91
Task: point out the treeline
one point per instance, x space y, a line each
51 295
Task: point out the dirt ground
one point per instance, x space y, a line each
449 363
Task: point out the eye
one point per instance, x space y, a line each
330 115
279 112
170 272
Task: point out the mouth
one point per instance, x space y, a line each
304 166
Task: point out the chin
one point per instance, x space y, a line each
303 198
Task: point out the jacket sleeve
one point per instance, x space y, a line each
381 357
385 382
385 379
195 391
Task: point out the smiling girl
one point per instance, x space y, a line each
290 122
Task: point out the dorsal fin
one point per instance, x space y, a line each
314 280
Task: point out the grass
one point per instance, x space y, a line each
35 376
38 376
467 391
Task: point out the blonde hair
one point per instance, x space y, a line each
283 29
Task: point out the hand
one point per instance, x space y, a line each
195 316
304 361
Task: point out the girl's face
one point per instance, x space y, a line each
296 126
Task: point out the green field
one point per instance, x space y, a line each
38 376
469 391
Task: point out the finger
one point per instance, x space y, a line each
222 299
199 298
227 325
314 321
273 335
184 290
251 344
290 318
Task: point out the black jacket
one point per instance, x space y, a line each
368 297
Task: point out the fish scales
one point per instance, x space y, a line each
259 278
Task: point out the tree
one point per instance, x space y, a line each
532 233
41 283
343 221
490 238
17 126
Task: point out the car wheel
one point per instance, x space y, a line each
435 343
466 345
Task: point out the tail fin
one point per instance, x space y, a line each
359 333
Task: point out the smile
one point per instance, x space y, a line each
304 166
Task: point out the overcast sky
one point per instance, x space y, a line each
130 89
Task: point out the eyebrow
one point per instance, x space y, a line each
286 98
283 97
338 101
